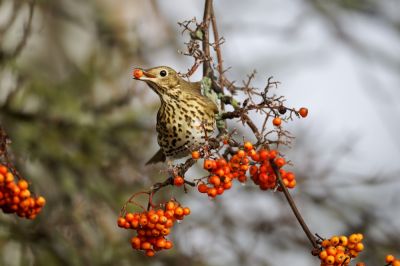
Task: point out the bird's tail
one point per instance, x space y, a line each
158 157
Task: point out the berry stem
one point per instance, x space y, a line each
293 206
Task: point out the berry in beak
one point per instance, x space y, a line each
140 74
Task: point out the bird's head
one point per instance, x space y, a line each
163 80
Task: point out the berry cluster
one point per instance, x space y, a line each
247 159
15 197
153 226
392 261
222 174
262 172
339 250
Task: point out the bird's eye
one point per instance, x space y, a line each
163 73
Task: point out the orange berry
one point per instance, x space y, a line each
330 259
334 240
292 184
351 245
145 245
220 190
396 263
353 253
360 236
202 188
137 73
154 218
150 253
143 221
169 213
340 249
264 155
129 217
255 156
165 231
289 176
343 240
162 219
168 245
241 153
161 242
280 162
242 178
159 212
212 192
331 250
160 226
178 181
40 201
178 211
272 154
253 170
323 255
3 170
221 162
389 258
248 146
215 180
170 205
9 177
359 247
339 258
169 223
195 155
121 221
227 185
251 153
135 223
25 193
354 238
186 211
220 172
208 164
303 112
22 184
277 121
135 241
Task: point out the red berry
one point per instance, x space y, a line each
178 181
277 121
303 112
137 73
280 162
195 155
202 188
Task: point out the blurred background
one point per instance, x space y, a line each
82 129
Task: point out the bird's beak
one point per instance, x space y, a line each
141 74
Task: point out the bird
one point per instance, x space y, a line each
185 119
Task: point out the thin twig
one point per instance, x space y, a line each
205 41
293 206
26 33
218 50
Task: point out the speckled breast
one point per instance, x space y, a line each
180 130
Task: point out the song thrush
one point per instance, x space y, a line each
185 116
